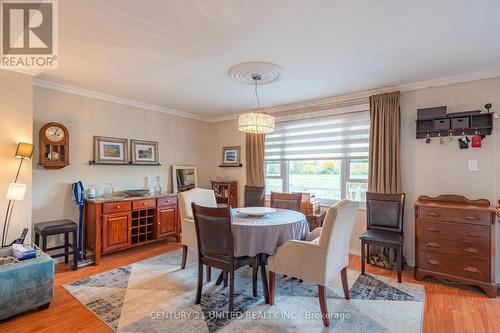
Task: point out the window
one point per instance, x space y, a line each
327 156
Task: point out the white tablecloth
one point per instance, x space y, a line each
254 235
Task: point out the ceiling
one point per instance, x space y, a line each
176 53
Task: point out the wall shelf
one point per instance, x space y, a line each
474 124
121 164
230 166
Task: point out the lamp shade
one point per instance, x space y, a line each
255 122
16 192
24 150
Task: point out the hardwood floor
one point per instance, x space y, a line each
447 309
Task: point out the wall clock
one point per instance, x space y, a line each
54 146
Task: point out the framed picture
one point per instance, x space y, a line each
110 150
231 156
184 178
144 152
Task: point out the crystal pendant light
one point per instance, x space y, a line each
256 122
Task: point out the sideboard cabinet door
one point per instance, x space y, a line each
116 232
167 222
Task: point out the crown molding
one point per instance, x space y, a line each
114 99
362 97
339 101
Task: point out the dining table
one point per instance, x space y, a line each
260 236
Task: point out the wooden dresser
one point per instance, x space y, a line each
455 241
123 222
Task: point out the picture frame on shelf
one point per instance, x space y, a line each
231 156
144 152
108 150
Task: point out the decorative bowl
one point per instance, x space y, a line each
136 193
256 211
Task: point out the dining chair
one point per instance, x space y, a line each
321 256
216 247
254 196
286 200
199 196
384 224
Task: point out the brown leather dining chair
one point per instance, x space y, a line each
384 218
254 196
286 200
216 248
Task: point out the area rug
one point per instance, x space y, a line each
155 295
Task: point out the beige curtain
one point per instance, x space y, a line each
384 159
255 159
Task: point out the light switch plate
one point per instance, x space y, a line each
473 165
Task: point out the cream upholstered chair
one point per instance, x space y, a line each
321 256
201 197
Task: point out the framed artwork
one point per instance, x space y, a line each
110 150
184 178
231 156
144 152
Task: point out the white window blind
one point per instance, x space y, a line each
340 136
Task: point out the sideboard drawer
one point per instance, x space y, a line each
116 207
461 248
456 215
142 204
454 231
476 268
167 201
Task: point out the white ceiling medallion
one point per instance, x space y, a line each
245 72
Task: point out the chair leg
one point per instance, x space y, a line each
345 285
37 239
219 279
200 283
322 305
231 292
225 279
255 268
75 250
264 277
209 273
66 247
362 257
184 256
272 287
400 261
367 254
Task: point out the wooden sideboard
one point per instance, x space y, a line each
123 222
455 241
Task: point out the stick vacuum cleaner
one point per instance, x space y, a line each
79 196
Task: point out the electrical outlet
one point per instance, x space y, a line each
473 165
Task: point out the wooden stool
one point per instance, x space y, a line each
52 228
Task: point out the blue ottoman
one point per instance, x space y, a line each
26 285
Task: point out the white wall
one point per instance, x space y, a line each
181 141
16 111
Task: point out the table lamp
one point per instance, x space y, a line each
16 192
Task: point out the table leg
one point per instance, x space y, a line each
264 276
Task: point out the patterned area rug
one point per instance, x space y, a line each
155 295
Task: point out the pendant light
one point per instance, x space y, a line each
256 122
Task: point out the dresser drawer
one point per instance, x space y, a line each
456 215
454 231
116 207
142 204
167 201
477 268
462 248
